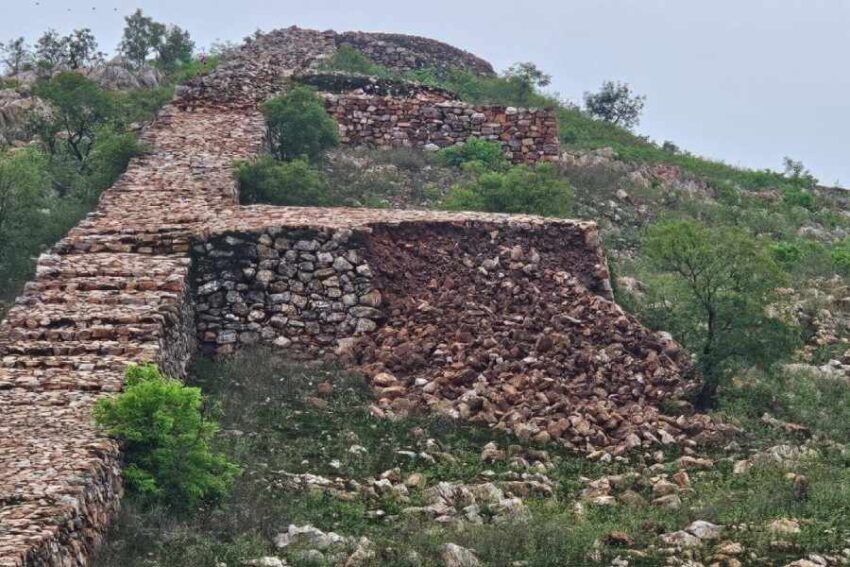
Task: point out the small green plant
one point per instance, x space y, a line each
798 198
298 126
348 59
293 183
489 154
166 440
535 190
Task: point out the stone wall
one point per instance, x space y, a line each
409 52
299 289
526 135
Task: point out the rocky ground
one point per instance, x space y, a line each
328 482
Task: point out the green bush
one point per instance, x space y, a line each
293 183
298 125
489 154
530 190
798 198
165 438
347 59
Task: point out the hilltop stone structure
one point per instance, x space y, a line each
504 320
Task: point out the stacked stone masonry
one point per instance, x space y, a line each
527 135
169 262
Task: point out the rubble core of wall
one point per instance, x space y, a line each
527 135
409 52
339 83
500 328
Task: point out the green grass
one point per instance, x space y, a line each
270 426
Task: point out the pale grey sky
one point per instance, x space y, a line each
745 81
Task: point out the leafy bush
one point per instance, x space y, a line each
798 198
530 190
347 59
711 290
298 125
166 441
487 153
293 183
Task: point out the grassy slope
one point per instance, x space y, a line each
270 425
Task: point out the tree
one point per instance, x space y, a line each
50 49
16 55
166 440
615 103
712 293
79 108
298 125
81 49
143 37
797 172
175 49
22 185
528 77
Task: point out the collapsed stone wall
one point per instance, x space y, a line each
527 135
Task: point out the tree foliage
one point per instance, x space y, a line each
22 193
80 109
73 51
298 125
487 153
166 440
712 290
15 55
535 190
144 37
615 103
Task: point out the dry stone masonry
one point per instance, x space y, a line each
506 320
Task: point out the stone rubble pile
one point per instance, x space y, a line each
501 331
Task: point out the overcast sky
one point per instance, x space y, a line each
745 81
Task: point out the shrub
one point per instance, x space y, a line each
350 60
530 190
487 153
798 198
166 440
293 183
298 125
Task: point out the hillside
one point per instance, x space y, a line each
391 369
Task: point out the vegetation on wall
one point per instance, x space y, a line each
166 440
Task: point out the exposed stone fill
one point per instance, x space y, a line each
118 289
526 135
409 52
500 327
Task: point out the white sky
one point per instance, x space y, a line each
745 81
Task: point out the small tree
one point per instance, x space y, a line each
16 55
22 183
166 440
712 293
141 35
528 77
79 109
298 125
81 49
615 103
175 48
489 154
50 49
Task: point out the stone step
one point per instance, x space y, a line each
85 362
45 379
135 350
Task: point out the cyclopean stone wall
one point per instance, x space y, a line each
527 135
493 318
